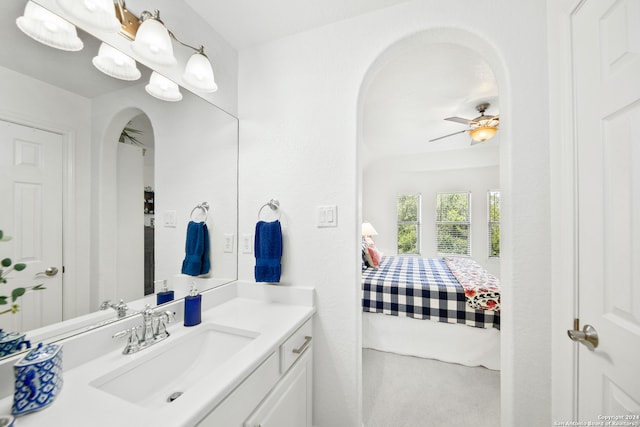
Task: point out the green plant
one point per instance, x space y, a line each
128 135
16 293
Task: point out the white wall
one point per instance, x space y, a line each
381 188
298 106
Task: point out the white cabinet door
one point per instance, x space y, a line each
289 404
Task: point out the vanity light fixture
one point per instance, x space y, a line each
116 64
162 88
48 28
199 73
152 41
98 14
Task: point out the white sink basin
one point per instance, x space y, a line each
163 373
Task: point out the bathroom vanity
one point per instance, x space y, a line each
248 364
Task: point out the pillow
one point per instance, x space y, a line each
368 260
375 255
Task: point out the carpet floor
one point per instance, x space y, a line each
405 391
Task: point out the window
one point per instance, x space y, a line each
409 224
494 223
453 221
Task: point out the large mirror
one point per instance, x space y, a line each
98 182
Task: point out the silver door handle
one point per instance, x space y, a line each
587 336
51 271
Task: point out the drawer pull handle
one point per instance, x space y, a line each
303 347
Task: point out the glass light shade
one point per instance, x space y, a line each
368 230
116 64
48 28
162 88
199 73
97 14
483 133
153 43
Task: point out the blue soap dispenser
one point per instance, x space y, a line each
193 307
165 295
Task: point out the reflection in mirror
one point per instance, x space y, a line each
93 206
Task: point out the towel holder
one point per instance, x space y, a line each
204 207
273 204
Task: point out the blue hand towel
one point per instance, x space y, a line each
268 251
196 260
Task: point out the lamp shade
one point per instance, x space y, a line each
162 88
368 230
482 133
116 64
153 42
48 28
199 73
96 14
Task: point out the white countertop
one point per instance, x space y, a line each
271 312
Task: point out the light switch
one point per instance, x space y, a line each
328 216
247 243
228 243
170 218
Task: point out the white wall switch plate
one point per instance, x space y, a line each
247 243
169 219
228 243
327 216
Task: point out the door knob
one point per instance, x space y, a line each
587 336
51 271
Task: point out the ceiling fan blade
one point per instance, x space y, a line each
446 136
459 120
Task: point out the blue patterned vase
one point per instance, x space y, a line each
38 379
10 342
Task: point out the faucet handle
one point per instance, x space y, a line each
133 343
164 318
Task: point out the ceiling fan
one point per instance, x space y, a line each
480 129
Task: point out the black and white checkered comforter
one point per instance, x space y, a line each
422 288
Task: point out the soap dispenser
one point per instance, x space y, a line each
193 307
165 295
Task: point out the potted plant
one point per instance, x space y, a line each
6 268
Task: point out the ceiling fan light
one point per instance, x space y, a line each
96 14
483 133
162 88
48 28
153 42
116 64
199 73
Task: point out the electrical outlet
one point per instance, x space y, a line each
247 243
170 219
228 243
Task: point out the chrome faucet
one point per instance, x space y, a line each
121 308
152 330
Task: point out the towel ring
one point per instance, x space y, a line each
273 204
204 207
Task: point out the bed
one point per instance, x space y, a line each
440 308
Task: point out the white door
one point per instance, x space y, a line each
31 213
606 73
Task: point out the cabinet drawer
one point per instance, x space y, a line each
295 345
